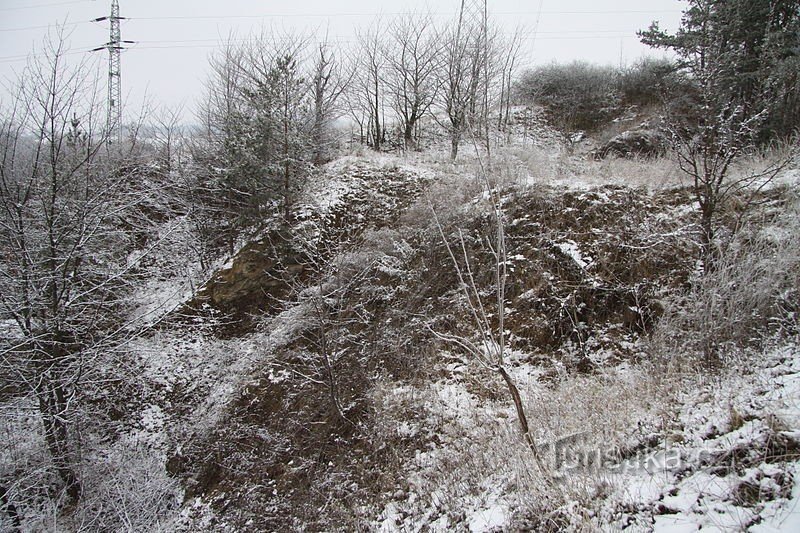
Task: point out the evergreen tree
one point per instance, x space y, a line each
738 56
260 118
743 56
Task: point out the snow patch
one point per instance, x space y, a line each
570 249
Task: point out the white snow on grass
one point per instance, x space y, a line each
492 518
702 472
570 249
728 478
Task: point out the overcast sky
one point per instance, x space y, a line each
175 37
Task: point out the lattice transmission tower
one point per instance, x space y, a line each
474 14
114 47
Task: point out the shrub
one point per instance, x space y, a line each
576 96
583 96
647 81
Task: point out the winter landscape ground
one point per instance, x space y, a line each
510 307
232 427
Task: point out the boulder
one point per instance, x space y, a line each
634 143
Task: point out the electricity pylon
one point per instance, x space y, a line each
114 47
474 13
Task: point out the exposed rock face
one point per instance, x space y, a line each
641 143
255 280
338 206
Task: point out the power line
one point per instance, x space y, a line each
608 12
213 43
19 58
42 5
45 26
398 13
332 15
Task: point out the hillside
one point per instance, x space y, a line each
302 387
405 278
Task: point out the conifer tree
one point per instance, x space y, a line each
737 55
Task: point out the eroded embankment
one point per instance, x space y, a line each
588 271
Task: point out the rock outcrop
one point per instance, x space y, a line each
634 143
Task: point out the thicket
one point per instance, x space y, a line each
731 53
583 96
749 298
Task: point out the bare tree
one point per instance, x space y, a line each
368 84
463 75
218 114
510 64
168 137
330 333
335 295
412 58
490 348
67 226
330 81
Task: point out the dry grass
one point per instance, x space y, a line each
513 166
749 296
522 167
472 450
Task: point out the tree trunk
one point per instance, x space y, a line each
319 121
378 131
707 235
523 420
51 393
286 162
319 138
408 136
455 139
52 407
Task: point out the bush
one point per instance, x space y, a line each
647 81
583 96
576 96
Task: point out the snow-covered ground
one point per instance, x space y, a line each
720 454
733 461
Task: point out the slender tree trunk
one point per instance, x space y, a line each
378 131
500 125
333 388
286 162
707 241
705 199
11 509
53 407
318 137
523 420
